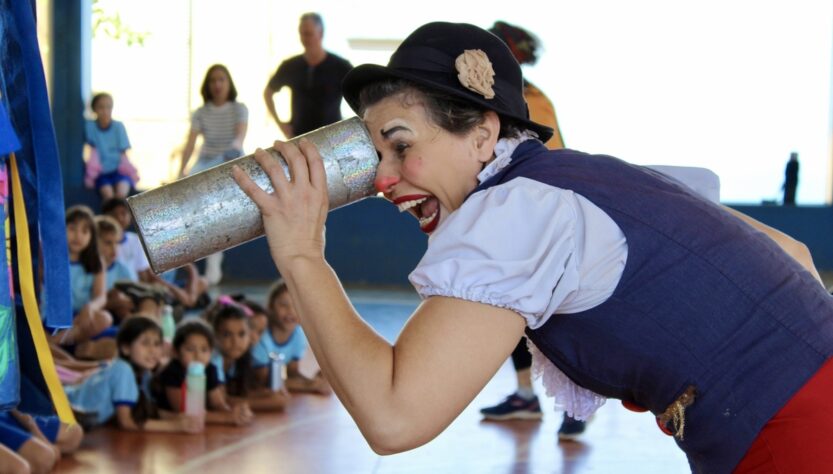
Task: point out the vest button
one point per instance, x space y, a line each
633 406
663 428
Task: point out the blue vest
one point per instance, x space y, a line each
724 310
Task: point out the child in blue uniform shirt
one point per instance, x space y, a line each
109 236
109 170
87 278
121 390
38 440
284 336
233 359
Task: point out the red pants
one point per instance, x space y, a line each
799 438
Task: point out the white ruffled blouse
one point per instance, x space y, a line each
533 248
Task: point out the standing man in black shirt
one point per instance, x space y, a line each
315 80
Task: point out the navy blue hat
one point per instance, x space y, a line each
444 56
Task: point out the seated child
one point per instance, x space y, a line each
121 390
131 252
38 441
186 287
284 336
109 236
258 319
183 286
13 463
119 276
233 359
87 279
108 169
71 370
194 342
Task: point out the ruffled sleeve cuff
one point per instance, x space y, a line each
480 253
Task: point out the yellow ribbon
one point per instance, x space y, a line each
30 303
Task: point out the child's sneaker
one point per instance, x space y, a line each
571 428
514 408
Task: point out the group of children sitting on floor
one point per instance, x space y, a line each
235 339
117 367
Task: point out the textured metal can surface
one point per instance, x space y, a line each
199 215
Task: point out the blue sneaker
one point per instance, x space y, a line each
514 408
571 428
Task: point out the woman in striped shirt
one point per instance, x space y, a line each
222 122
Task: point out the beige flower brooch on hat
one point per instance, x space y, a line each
475 72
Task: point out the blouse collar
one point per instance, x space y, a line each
503 154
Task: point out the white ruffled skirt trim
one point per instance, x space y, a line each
576 401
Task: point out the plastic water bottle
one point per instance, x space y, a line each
168 323
195 390
277 371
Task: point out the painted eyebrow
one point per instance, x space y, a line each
387 133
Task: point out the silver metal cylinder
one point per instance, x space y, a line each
199 215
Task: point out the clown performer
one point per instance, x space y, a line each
628 285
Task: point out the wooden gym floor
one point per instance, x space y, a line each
316 435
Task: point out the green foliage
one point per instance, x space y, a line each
110 24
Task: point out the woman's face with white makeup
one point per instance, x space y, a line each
424 169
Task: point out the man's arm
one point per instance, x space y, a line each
268 97
268 94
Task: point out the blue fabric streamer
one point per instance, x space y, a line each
24 89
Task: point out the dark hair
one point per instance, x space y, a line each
444 110
190 327
90 258
205 90
112 204
315 18
98 97
254 306
244 376
130 330
107 225
278 288
219 304
523 44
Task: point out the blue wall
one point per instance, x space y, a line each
812 225
371 243
368 242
